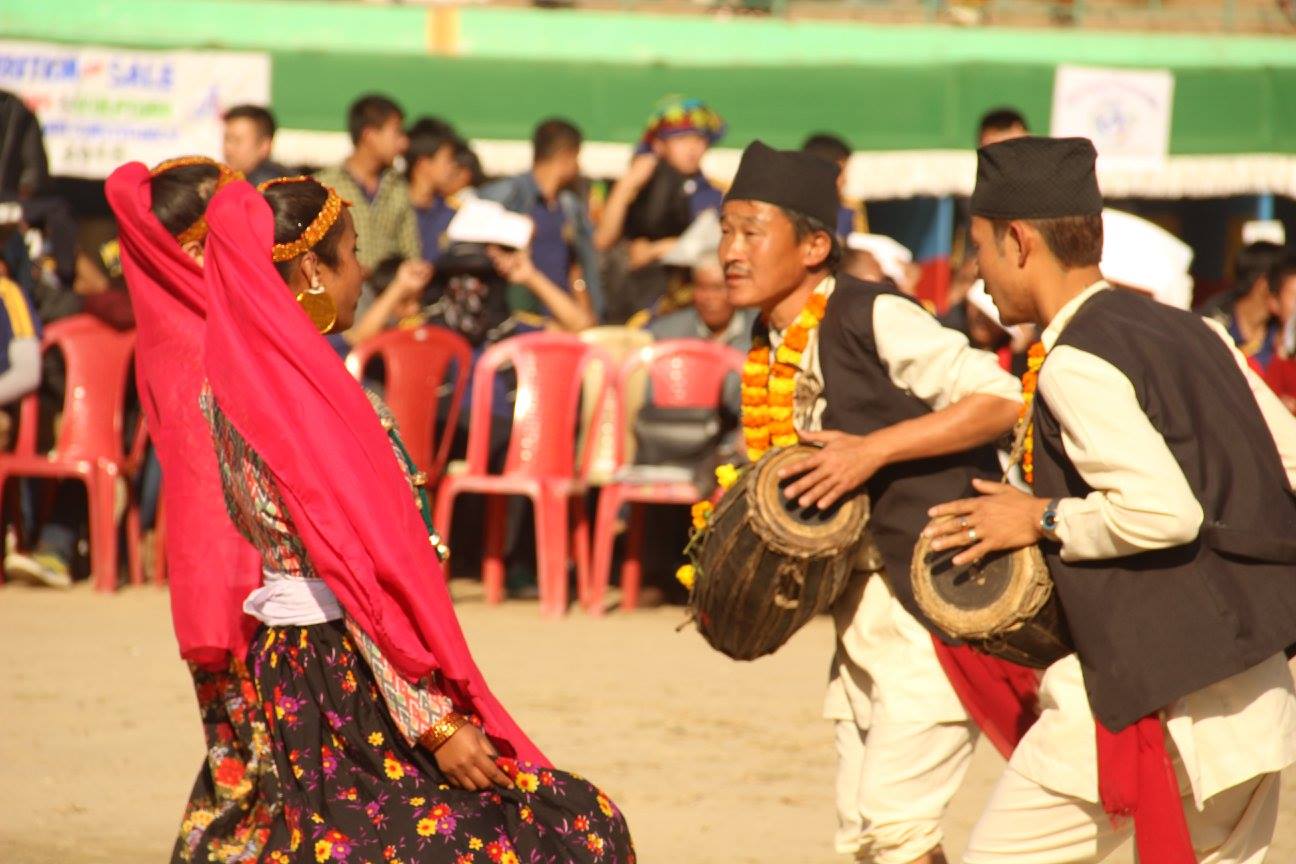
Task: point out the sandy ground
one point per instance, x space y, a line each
713 761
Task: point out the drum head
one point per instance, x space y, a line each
804 531
976 601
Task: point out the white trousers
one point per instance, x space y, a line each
904 741
1024 823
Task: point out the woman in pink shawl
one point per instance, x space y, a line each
234 805
387 742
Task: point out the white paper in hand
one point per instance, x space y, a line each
482 221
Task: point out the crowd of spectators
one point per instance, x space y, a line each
639 253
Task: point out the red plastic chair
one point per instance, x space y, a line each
541 460
89 446
417 364
682 373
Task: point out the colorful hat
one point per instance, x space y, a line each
676 115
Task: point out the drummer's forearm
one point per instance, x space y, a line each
971 422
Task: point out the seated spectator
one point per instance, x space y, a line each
1281 374
711 316
830 148
879 258
562 248
659 196
249 138
380 205
1246 311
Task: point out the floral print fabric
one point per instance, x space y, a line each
354 791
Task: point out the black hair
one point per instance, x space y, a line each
370 111
295 206
466 158
425 144
180 195
828 147
803 226
1253 263
432 126
999 119
260 117
1076 241
1282 270
553 136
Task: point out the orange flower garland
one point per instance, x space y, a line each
1030 380
769 389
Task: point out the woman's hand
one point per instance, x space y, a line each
468 760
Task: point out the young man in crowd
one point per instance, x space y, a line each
249 138
430 168
831 148
1001 124
1161 498
380 205
906 411
563 244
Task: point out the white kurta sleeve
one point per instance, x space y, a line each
1141 498
934 362
1281 422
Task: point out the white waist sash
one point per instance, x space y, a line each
286 601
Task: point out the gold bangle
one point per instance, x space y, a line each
442 730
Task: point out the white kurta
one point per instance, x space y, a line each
1226 735
904 739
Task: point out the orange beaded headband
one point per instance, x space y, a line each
225 174
319 226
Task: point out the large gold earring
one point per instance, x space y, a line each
318 306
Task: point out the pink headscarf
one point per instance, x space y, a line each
211 568
289 395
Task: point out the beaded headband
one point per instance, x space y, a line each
225 174
319 226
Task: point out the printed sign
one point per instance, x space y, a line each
1125 113
100 107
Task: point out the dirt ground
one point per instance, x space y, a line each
712 761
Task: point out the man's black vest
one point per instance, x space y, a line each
1153 627
861 398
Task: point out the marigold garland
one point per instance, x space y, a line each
769 389
1030 380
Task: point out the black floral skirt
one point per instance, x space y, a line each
353 791
234 811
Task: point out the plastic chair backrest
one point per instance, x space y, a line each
681 373
98 361
619 343
550 370
417 365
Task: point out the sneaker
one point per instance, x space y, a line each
39 568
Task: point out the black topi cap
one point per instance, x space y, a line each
790 179
1037 178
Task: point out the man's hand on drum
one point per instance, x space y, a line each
842 464
1002 518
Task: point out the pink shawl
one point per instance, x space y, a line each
289 395
210 566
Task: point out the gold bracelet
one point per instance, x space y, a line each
442 730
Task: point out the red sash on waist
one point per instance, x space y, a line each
1002 697
1136 778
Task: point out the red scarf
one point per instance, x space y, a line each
1136 778
289 395
210 567
1001 697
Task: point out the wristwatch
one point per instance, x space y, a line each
1049 521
